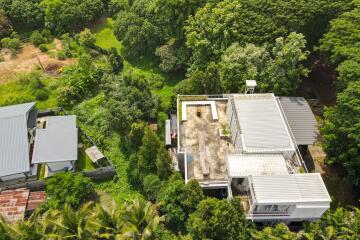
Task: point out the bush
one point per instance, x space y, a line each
152 185
14 44
41 95
61 55
43 48
70 188
37 38
86 38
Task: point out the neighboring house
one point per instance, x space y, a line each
56 144
26 141
247 145
16 125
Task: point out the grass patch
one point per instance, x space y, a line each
26 88
83 162
105 37
120 188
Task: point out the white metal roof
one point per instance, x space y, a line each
94 153
14 146
256 165
262 125
57 142
301 119
293 188
251 83
167 132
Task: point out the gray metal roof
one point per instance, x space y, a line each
301 119
57 142
293 188
262 125
14 146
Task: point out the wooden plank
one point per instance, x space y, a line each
205 167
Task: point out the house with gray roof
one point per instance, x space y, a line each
247 146
16 125
27 141
56 144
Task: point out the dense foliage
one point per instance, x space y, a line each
25 15
5 25
70 15
179 200
219 219
341 125
69 188
132 220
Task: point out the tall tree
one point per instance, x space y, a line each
341 131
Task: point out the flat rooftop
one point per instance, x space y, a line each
199 136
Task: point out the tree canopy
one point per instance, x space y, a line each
219 219
341 125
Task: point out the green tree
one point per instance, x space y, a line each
341 40
70 188
219 219
141 219
148 153
5 24
152 186
24 15
204 82
86 38
179 200
287 69
163 163
115 59
70 15
341 125
243 63
337 224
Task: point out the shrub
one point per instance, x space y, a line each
152 185
86 38
43 48
61 55
14 44
37 38
70 188
41 95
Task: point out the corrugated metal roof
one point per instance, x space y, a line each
256 165
14 146
167 132
261 122
301 119
57 142
293 188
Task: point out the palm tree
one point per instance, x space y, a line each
75 224
4 230
106 223
140 220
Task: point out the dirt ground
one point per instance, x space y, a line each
320 83
28 59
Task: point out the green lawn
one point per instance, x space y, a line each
21 90
105 37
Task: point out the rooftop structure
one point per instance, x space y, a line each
244 143
57 142
14 141
301 119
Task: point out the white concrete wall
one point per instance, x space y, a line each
58 166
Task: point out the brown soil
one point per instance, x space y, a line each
28 59
320 83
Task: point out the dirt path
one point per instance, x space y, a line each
27 60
